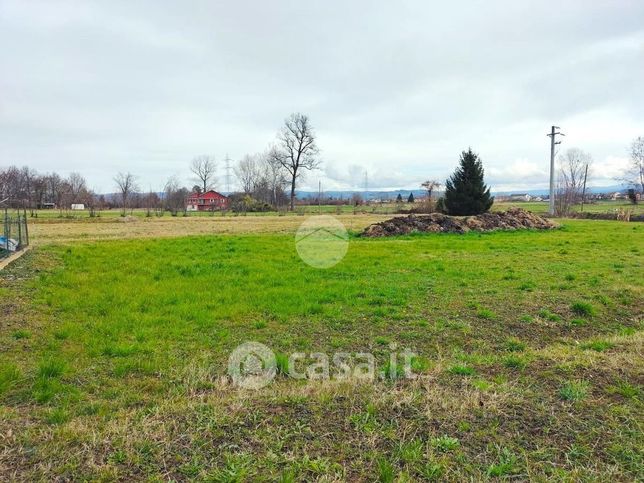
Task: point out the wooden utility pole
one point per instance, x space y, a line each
366 188
552 135
583 191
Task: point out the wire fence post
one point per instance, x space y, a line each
15 233
19 231
24 217
6 228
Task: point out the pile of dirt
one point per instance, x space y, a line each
513 219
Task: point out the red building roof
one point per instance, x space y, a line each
208 195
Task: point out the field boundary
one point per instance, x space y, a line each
12 258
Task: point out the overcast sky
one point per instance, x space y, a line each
394 88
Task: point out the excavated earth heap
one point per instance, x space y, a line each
513 219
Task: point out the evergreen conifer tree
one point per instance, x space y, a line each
411 198
465 191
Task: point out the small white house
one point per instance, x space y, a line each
521 197
78 206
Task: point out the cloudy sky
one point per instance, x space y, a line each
396 89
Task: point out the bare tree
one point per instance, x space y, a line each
296 149
275 176
151 202
78 192
248 172
174 196
56 188
126 183
430 185
574 165
428 205
204 167
635 174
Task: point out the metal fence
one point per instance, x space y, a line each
14 234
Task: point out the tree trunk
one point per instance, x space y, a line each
292 193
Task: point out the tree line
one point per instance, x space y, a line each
267 180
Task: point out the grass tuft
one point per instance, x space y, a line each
547 315
445 443
514 362
486 314
462 370
386 471
9 375
598 345
281 364
584 309
21 334
574 391
506 465
515 345
51 368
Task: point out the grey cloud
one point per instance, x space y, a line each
394 88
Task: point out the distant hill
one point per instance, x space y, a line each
393 194
371 195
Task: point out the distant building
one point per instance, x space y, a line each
208 201
520 197
78 206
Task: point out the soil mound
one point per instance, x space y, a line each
513 219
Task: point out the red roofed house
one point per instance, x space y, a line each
208 201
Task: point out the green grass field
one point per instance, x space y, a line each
529 345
